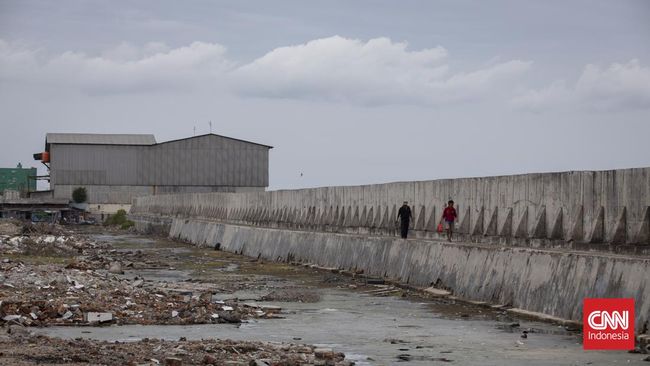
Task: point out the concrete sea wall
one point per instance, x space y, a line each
552 282
604 209
538 242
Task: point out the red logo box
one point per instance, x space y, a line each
608 324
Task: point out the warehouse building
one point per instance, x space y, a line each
114 169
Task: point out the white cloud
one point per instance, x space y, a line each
375 72
620 86
378 71
125 68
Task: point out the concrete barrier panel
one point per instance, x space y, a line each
551 282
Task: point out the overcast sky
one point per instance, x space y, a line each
348 92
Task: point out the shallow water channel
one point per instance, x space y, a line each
371 330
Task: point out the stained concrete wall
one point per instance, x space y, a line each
594 207
551 282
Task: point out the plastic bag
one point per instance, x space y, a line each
440 228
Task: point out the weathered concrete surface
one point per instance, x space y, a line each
548 209
552 282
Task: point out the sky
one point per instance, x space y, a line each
347 92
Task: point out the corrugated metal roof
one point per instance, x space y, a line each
99 139
214 134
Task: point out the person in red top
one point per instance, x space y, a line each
449 215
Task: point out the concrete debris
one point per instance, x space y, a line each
41 239
44 290
258 363
437 292
292 295
159 352
116 268
324 353
92 317
10 227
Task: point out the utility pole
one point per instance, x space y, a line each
210 123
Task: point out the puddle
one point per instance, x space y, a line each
229 268
164 275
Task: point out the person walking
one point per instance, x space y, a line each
449 216
404 215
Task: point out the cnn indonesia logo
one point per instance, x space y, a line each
608 324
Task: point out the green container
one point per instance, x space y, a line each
18 179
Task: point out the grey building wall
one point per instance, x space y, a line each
105 194
208 160
94 164
204 189
205 161
123 194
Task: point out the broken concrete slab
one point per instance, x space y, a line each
96 317
437 292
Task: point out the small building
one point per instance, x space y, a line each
19 179
35 209
114 169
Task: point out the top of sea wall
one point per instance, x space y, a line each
579 206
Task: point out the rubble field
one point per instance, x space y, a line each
41 295
57 276
18 347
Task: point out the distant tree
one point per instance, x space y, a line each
79 195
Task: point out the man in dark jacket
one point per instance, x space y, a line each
404 215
